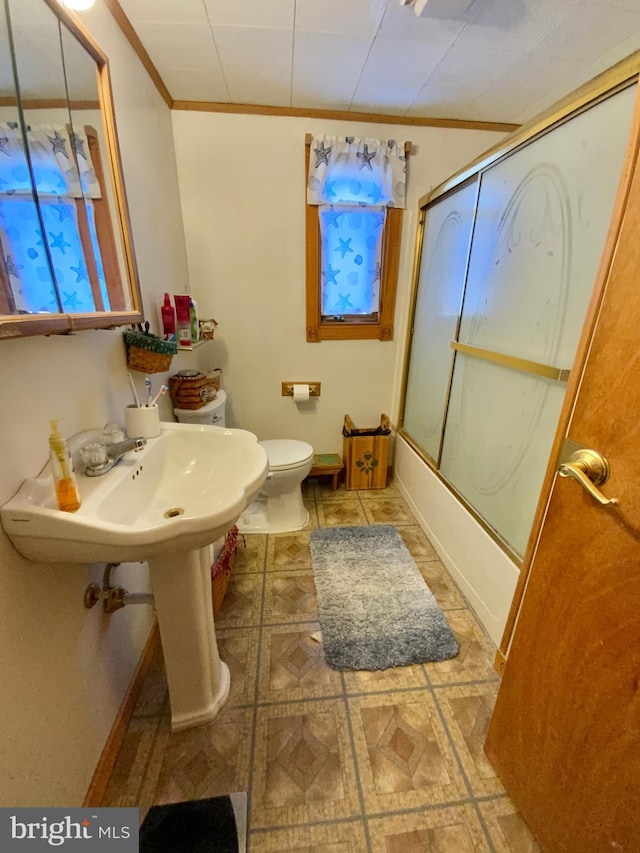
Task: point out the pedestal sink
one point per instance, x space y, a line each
165 504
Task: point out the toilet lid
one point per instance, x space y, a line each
285 453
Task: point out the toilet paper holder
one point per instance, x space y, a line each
314 388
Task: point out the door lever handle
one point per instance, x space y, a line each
590 469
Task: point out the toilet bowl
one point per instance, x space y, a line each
279 507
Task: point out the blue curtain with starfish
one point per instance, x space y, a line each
63 172
353 182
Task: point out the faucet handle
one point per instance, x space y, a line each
112 434
94 454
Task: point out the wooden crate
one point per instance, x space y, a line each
366 454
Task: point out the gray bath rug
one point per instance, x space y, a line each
376 610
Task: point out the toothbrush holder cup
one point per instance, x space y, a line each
142 421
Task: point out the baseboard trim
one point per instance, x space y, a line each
109 756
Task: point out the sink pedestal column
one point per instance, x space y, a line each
198 680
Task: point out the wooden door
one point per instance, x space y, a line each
565 734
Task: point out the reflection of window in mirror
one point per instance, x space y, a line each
67 170
65 242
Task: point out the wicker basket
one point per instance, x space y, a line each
189 392
147 353
212 384
221 569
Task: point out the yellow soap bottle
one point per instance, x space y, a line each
62 471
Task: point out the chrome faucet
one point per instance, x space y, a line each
100 458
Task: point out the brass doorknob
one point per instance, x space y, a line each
590 469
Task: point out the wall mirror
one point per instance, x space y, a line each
66 252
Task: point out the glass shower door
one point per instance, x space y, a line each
542 219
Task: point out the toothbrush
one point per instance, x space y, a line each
147 385
135 393
163 388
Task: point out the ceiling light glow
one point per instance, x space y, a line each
78 5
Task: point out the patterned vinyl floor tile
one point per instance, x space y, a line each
303 770
404 756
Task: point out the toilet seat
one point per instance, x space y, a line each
285 454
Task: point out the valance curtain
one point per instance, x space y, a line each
51 148
348 170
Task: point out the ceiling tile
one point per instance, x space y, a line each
344 17
620 51
515 25
274 14
326 69
166 11
401 22
185 46
534 76
472 65
629 5
395 72
490 110
589 31
256 63
443 101
201 85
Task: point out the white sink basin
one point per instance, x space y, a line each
181 492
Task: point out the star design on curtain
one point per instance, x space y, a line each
344 302
80 271
331 217
330 275
78 145
329 189
71 299
376 194
58 144
63 211
4 143
12 268
322 154
57 241
377 273
366 157
344 247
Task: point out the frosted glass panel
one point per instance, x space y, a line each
500 428
445 249
543 215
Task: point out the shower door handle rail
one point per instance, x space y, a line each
591 470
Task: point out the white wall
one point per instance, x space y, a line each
64 670
242 186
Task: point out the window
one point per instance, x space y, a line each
353 230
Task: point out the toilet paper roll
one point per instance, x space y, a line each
300 393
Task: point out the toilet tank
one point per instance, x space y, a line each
212 413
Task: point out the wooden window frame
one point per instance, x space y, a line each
352 328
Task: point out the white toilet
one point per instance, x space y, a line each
212 413
279 507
